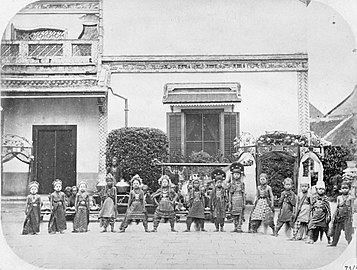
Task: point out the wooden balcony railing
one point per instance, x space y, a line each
49 51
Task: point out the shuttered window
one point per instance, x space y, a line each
174 132
231 130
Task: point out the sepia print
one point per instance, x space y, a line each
179 134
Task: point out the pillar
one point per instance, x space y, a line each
303 102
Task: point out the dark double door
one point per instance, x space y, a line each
55 148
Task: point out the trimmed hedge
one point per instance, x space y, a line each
135 148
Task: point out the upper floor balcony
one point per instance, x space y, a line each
49 56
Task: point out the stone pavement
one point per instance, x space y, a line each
164 249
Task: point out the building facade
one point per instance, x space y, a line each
54 95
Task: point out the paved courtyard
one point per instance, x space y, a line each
164 249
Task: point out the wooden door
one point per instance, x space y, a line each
55 155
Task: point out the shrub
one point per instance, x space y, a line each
135 148
334 162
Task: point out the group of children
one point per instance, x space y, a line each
307 214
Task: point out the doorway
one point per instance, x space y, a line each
55 148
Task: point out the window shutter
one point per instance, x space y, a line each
231 130
174 132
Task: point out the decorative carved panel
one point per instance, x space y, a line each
39 34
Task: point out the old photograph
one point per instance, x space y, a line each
177 134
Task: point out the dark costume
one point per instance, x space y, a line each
301 216
342 219
57 222
218 205
116 172
108 211
136 209
286 203
263 210
165 199
196 210
81 219
237 197
33 214
320 216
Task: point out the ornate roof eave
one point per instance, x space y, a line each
53 92
201 104
206 63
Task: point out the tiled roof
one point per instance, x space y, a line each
202 93
314 112
347 106
324 125
346 133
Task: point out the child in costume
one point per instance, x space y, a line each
218 199
57 222
301 213
196 212
342 218
136 205
69 199
263 210
236 200
286 203
320 214
81 219
33 210
165 199
108 211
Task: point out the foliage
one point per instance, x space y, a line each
283 138
277 169
334 162
135 148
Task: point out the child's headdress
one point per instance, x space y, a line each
34 184
109 178
345 183
288 181
164 177
236 167
320 184
82 182
136 177
218 174
67 189
57 181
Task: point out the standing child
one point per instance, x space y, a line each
236 198
57 221
81 219
108 211
342 218
263 210
196 212
136 205
218 199
320 214
287 203
33 210
301 213
165 199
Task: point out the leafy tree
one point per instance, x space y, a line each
135 149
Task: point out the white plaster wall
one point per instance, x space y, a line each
269 100
21 114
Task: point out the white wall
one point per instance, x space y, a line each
21 114
269 100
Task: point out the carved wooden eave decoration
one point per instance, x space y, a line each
9 83
48 68
207 63
62 7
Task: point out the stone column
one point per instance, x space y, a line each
102 136
303 102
